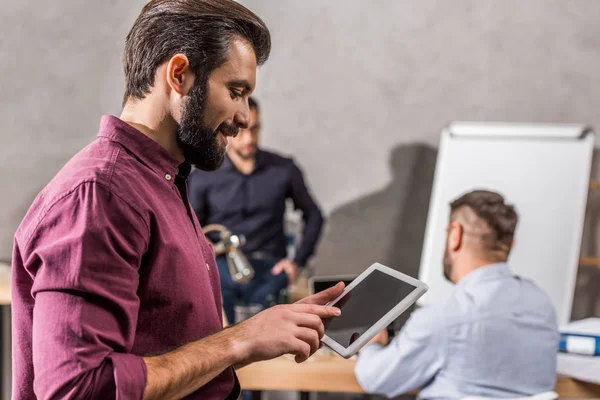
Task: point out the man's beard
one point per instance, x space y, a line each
447 265
201 145
250 155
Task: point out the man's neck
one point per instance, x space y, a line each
152 119
463 271
245 165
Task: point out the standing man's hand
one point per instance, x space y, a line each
286 329
324 296
289 267
283 329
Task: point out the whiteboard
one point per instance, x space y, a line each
544 170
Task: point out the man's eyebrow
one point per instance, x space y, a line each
241 83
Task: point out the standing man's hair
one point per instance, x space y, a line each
201 29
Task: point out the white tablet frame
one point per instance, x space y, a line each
388 318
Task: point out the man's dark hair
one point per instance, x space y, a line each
490 207
203 30
252 103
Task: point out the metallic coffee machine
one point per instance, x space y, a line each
229 245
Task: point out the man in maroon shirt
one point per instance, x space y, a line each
115 289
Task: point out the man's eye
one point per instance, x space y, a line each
235 94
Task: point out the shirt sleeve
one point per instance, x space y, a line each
311 214
411 360
84 258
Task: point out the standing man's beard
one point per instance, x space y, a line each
201 145
247 156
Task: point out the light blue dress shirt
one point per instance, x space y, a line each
495 336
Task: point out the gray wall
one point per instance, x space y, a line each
61 69
350 86
349 80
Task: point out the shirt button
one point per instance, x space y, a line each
207 267
168 177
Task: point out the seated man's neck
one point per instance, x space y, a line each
245 165
461 270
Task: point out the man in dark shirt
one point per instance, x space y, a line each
115 289
248 196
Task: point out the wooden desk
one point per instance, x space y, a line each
326 372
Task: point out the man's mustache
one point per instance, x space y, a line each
229 129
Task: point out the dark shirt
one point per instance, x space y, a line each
109 265
254 205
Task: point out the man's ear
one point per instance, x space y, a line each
179 76
455 236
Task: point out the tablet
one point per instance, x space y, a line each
317 284
369 304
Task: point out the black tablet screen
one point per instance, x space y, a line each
364 305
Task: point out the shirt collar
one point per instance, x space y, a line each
487 272
260 160
143 148
227 164
183 170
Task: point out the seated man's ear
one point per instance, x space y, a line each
455 236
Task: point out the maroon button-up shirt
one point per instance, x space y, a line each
110 264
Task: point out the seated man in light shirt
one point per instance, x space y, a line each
496 335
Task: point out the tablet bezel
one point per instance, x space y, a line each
388 318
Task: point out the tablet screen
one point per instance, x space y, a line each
319 285
366 304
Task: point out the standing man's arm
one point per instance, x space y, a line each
411 360
313 223
284 329
85 255
311 214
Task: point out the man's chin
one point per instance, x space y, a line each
447 272
206 164
246 155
